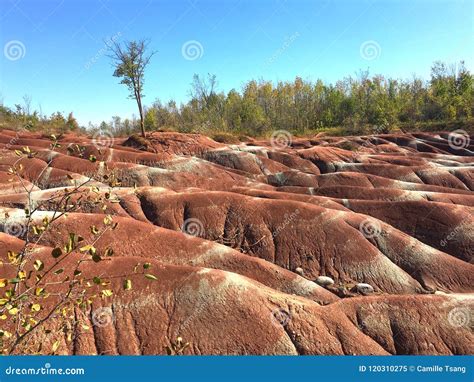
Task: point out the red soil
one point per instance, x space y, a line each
238 234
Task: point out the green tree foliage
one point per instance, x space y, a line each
360 103
71 123
19 118
130 62
150 119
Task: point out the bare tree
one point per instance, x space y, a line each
130 62
27 102
203 89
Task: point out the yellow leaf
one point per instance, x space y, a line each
35 307
38 265
86 248
4 333
38 291
55 346
3 283
13 311
107 293
12 257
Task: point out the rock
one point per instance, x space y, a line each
324 281
364 288
299 271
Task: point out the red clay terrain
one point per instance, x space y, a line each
324 245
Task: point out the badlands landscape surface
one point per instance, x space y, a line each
348 245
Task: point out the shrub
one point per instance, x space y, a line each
225 138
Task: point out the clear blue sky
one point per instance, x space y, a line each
53 50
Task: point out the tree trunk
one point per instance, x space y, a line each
142 119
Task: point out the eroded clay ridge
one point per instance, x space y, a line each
240 235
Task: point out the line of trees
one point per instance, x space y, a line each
301 106
22 116
358 104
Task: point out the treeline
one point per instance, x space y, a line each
353 105
22 116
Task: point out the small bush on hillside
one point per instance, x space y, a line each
23 119
225 138
139 142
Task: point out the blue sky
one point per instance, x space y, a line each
53 50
